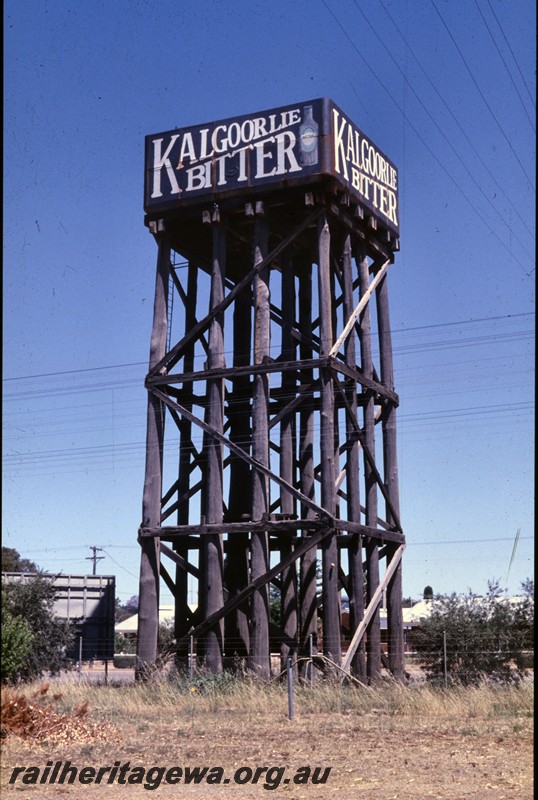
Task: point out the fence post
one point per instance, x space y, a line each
444 659
191 657
311 659
290 690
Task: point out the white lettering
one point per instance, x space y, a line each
284 152
234 134
243 163
339 151
259 128
261 157
199 177
187 148
203 144
247 131
219 147
160 161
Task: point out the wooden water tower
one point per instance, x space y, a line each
277 465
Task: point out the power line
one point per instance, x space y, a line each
495 119
396 332
512 52
505 64
461 128
447 172
439 128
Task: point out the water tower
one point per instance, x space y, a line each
271 466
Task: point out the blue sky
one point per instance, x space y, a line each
445 89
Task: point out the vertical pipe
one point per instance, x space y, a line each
308 621
213 547
148 613
259 560
330 594
388 422
356 572
287 464
373 642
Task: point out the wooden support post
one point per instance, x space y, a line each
212 643
373 642
308 606
181 602
236 568
330 595
259 559
388 422
287 466
148 613
356 572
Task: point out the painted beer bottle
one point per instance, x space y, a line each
308 139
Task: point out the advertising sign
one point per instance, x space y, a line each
287 146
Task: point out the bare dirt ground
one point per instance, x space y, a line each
378 754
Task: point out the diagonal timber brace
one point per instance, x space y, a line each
372 607
238 451
174 355
262 580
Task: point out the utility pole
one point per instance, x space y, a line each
95 558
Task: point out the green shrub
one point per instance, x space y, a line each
32 602
469 638
17 641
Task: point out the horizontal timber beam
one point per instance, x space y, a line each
238 451
306 544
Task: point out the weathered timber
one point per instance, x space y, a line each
237 636
312 406
373 606
330 596
183 563
212 583
373 643
175 353
259 545
274 527
308 607
306 544
354 315
148 614
258 466
390 462
356 572
288 594
187 454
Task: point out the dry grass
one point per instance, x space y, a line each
392 741
250 698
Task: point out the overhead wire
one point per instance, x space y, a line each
439 127
512 53
484 20
461 128
481 93
447 172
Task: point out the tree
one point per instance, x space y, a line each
469 638
32 601
17 641
12 562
